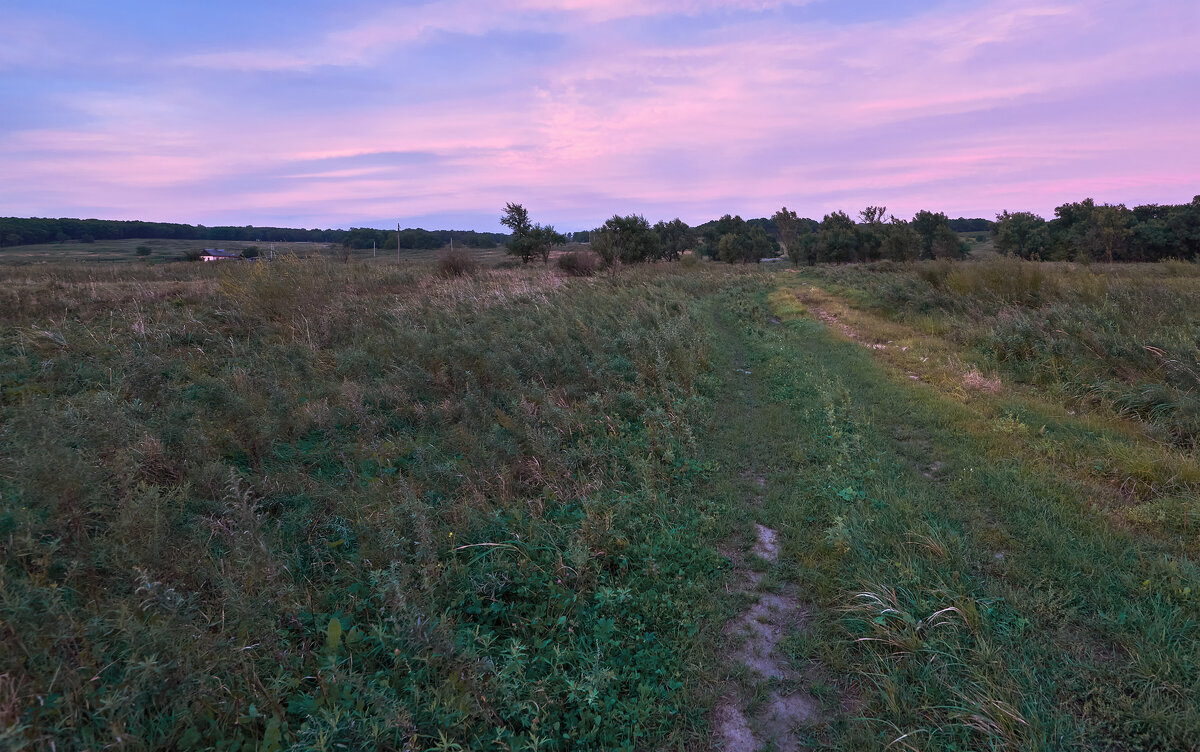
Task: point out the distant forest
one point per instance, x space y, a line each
31 231
1079 231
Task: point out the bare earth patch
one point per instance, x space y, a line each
756 635
767 544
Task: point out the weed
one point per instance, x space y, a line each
456 263
579 263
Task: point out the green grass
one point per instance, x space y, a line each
313 505
1118 337
988 605
165 250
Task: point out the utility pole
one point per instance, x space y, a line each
372 249
397 241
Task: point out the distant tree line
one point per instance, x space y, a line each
364 237
978 224
838 238
1079 231
1085 231
31 231
622 239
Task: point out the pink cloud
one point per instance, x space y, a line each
748 120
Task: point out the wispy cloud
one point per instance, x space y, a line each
453 106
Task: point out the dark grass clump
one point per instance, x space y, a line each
579 263
456 263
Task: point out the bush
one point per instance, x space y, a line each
456 263
192 255
144 250
579 263
689 259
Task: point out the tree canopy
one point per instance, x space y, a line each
528 240
628 239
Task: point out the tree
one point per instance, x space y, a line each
544 239
1183 223
629 240
674 238
871 232
760 245
1068 228
873 215
900 241
714 231
733 247
529 240
837 239
1108 232
791 228
947 244
1020 234
929 227
810 247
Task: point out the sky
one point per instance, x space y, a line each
364 113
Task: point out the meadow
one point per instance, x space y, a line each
314 505
160 250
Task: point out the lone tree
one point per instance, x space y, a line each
838 239
529 240
900 241
937 239
1021 234
871 232
674 238
789 233
629 240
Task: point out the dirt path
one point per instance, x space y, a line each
768 703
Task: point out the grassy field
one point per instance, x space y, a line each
125 251
313 505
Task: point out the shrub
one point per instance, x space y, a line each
935 272
456 263
579 263
144 250
192 255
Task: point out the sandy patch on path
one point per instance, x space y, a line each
755 635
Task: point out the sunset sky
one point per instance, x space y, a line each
435 114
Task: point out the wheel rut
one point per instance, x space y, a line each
769 703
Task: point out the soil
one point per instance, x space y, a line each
755 636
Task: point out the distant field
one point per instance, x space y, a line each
985 248
163 250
